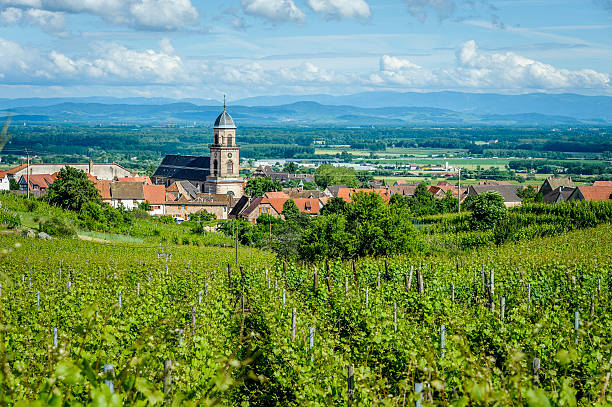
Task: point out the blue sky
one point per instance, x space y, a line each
205 48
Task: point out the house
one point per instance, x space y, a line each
592 193
560 194
508 192
38 183
217 204
127 194
5 184
155 196
273 206
347 193
260 206
552 183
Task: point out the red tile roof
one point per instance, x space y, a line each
104 187
41 180
276 195
14 170
311 206
155 194
602 184
595 193
276 203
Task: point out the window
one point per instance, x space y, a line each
230 167
215 168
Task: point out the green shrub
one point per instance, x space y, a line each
57 226
8 219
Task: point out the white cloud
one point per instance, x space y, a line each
51 22
342 8
164 14
146 14
275 11
106 63
488 71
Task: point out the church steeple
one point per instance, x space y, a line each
224 157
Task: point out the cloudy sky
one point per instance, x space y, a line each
205 48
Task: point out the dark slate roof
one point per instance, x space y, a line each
560 194
184 167
240 205
507 191
224 121
254 203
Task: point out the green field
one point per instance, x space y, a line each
228 338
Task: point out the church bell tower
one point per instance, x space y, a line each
224 175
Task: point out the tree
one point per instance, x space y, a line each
488 210
334 205
529 195
448 204
13 184
423 201
290 210
290 167
327 237
327 175
72 189
258 186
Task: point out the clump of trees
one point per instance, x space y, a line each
488 210
258 186
366 226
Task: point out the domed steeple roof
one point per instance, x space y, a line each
224 121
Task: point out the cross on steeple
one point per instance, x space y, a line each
224 102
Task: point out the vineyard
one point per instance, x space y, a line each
87 323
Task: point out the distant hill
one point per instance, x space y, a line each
309 113
31 102
571 105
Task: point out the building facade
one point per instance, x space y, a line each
106 171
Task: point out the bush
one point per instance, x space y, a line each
488 210
57 226
8 219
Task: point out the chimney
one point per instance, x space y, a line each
91 166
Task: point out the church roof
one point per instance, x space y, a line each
224 121
184 167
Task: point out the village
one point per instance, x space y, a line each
185 185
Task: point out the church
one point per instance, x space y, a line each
217 174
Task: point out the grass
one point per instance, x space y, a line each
109 237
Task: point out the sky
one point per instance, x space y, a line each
242 48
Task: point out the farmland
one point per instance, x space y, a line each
177 324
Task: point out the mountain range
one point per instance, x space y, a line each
362 109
